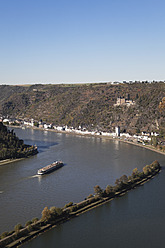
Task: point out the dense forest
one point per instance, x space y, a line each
88 105
13 147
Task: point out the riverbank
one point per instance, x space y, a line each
73 210
8 161
149 147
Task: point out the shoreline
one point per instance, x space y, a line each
149 147
8 161
83 209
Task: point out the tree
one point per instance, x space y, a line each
34 220
109 190
155 164
28 223
17 228
154 141
124 179
162 105
117 182
146 170
55 212
135 173
30 228
46 214
59 211
89 196
68 205
98 190
4 235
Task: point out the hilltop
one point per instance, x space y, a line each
88 105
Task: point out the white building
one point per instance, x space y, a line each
6 120
117 131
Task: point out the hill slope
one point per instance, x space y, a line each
90 105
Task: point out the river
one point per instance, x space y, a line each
134 220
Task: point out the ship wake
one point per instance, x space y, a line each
34 176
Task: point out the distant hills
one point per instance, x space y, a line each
88 105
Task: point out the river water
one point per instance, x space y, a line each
134 220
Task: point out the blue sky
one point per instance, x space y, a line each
81 41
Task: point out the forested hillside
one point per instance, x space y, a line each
88 105
11 146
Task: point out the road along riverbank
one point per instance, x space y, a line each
8 161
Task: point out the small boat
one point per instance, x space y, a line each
51 167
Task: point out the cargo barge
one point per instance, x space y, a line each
51 167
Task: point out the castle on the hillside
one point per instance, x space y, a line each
124 101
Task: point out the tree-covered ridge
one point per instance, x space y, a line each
13 147
88 105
